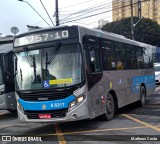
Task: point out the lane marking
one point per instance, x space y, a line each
59 134
142 122
92 131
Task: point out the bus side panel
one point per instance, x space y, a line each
3 104
137 78
117 81
135 82
149 81
8 101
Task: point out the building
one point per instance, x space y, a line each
141 8
101 23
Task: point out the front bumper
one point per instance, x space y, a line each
77 113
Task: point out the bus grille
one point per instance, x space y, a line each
54 113
44 95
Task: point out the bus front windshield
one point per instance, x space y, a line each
54 67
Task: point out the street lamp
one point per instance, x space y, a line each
35 11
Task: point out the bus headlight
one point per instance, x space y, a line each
78 100
20 106
73 103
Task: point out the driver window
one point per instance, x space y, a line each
92 50
95 64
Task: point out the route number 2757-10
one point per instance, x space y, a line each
47 36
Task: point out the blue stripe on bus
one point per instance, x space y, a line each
47 105
148 80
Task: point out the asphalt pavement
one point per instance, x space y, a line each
132 124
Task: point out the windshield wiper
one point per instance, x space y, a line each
53 54
51 57
21 75
31 60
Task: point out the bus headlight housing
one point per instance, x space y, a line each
73 103
20 106
78 100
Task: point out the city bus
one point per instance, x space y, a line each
71 73
7 86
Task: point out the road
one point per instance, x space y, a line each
130 122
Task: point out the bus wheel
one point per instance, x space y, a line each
110 108
142 101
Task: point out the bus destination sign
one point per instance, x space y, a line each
41 37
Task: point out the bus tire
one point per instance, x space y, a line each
110 108
142 101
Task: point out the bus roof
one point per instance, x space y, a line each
121 38
110 35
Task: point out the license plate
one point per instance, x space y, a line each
44 116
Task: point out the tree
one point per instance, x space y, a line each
146 31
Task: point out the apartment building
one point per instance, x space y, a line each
144 8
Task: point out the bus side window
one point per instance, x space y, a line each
95 64
147 54
131 57
120 54
139 56
108 55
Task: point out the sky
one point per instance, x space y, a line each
79 12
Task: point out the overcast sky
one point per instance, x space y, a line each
20 14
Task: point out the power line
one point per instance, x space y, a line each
105 18
75 4
81 10
92 9
93 15
47 12
35 11
98 13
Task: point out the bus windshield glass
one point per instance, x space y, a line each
54 67
1 77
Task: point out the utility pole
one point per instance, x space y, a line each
132 31
139 8
56 13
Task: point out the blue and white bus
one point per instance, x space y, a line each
72 73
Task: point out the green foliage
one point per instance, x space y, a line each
146 31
